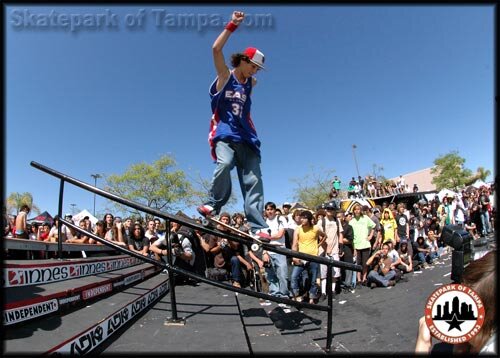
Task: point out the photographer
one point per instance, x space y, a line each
183 255
382 273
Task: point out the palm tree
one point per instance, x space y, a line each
16 200
481 173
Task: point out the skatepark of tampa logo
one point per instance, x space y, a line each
454 313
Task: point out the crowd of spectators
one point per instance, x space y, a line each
388 241
371 187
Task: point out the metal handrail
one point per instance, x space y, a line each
172 269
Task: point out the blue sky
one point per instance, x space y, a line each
406 84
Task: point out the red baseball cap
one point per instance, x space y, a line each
255 56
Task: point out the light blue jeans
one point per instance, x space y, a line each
277 275
312 268
247 163
374 276
485 220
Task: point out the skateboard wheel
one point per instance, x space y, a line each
205 222
255 247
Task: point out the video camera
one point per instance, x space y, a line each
465 249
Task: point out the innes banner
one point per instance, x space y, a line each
19 276
90 339
28 312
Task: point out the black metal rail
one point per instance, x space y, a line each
175 270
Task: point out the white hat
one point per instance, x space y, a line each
255 56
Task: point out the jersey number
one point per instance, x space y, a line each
236 109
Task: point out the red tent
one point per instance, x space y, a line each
43 217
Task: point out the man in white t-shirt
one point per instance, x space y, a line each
276 264
331 226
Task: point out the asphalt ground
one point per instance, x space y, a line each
379 320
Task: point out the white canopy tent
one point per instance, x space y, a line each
82 214
479 183
446 192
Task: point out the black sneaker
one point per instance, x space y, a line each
373 285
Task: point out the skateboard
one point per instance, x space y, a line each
255 247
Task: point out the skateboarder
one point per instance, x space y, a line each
233 138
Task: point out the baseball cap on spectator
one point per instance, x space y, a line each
286 203
68 215
255 56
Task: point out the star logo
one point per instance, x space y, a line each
454 323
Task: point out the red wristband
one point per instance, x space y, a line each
231 26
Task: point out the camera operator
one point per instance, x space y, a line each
183 255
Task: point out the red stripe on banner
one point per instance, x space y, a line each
75 262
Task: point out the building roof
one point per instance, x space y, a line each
421 177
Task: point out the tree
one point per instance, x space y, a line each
449 171
16 200
158 185
481 174
313 189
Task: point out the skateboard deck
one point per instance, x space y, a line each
208 221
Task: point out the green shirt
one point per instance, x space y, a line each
361 228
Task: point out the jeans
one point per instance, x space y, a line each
312 269
235 269
247 163
349 274
485 220
277 275
374 276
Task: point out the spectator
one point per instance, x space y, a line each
127 229
403 226
306 240
432 241
99 232
158 228
484 209
108 226
388 225
21 228
225 254
471 229
382 268
332 227
239 223
422 252
406 259
54 230
415 188
363 228
361 183
33 232
78 237
151 234
138 242
372 192
374 214
43 231
277 268
347 250
336 183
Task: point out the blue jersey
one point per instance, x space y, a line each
231 118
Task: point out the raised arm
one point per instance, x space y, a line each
219 62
